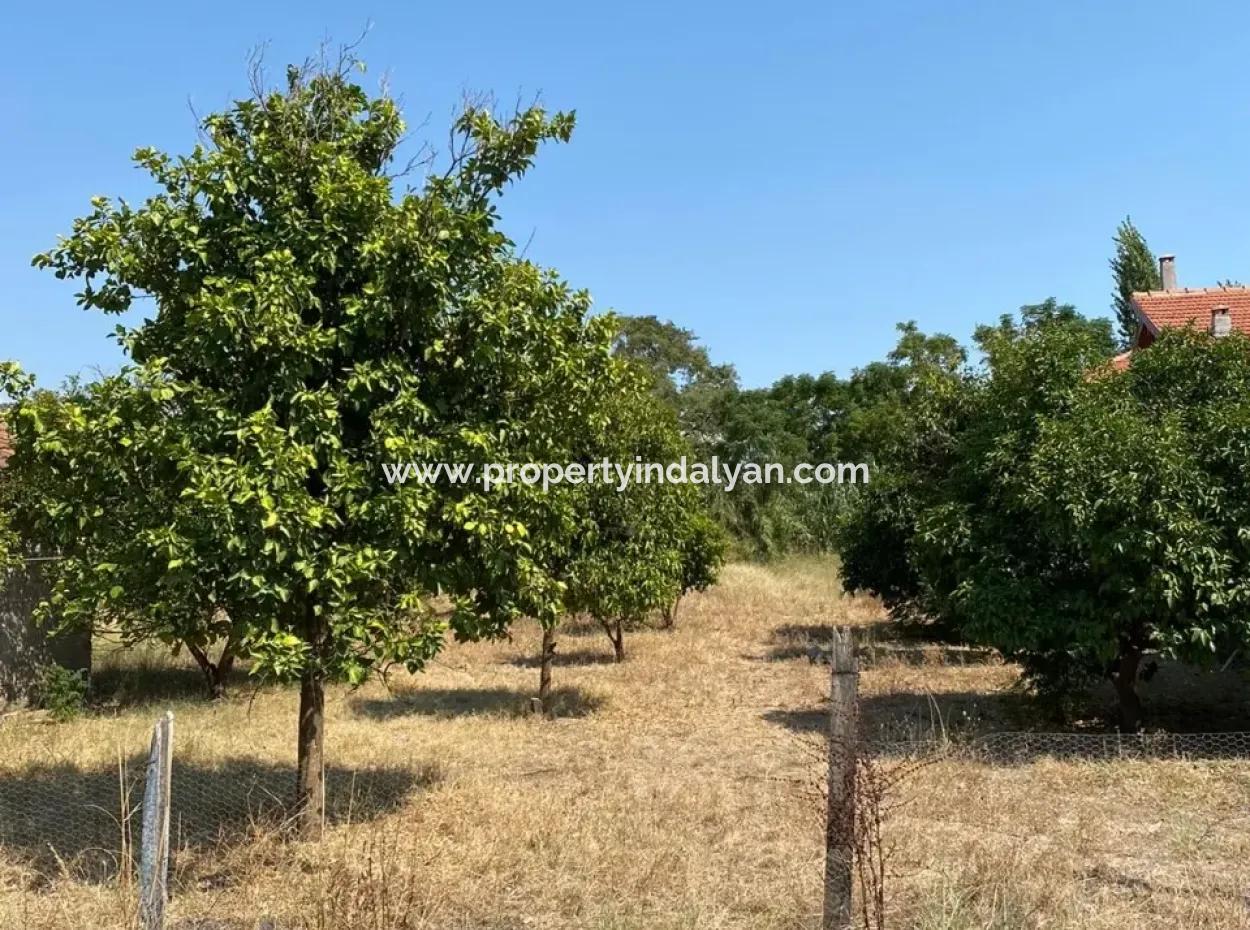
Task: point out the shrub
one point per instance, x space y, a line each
62 691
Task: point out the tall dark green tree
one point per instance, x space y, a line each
681 374
1135 269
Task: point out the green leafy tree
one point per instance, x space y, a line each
631 559
12 490
307 324
1074 517
907 418
765 520
822 418
801 418
629 551
1135 269
880 395
972 526
702 545
681 374
814 409
77 461
718 419
1139 489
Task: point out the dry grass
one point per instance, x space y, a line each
675 791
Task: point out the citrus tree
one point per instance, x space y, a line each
307 322
1140 489
624 549
702 545
1075 517
87 481
632 559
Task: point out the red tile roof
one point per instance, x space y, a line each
1166 309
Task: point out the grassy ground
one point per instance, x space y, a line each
678 790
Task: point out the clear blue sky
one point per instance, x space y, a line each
787 179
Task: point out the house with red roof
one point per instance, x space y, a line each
1217 310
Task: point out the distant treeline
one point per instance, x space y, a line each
800 418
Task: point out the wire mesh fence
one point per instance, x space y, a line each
61 813
1015 747
59 819
1027 829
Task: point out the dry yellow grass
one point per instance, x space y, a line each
674 791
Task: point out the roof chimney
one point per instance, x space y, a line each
1167 271
1221 321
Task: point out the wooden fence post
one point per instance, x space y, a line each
840 818
154 854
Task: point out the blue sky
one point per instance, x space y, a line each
788 180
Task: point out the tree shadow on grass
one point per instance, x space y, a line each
1015 728
468 702
571 658
62 819
123 681
908 716
1187 699
797 641
581 627
910 643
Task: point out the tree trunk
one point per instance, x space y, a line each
216 674
618 641
207 668
668 614
1126 688
544 670
310 767
615 631
225 665
310 777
